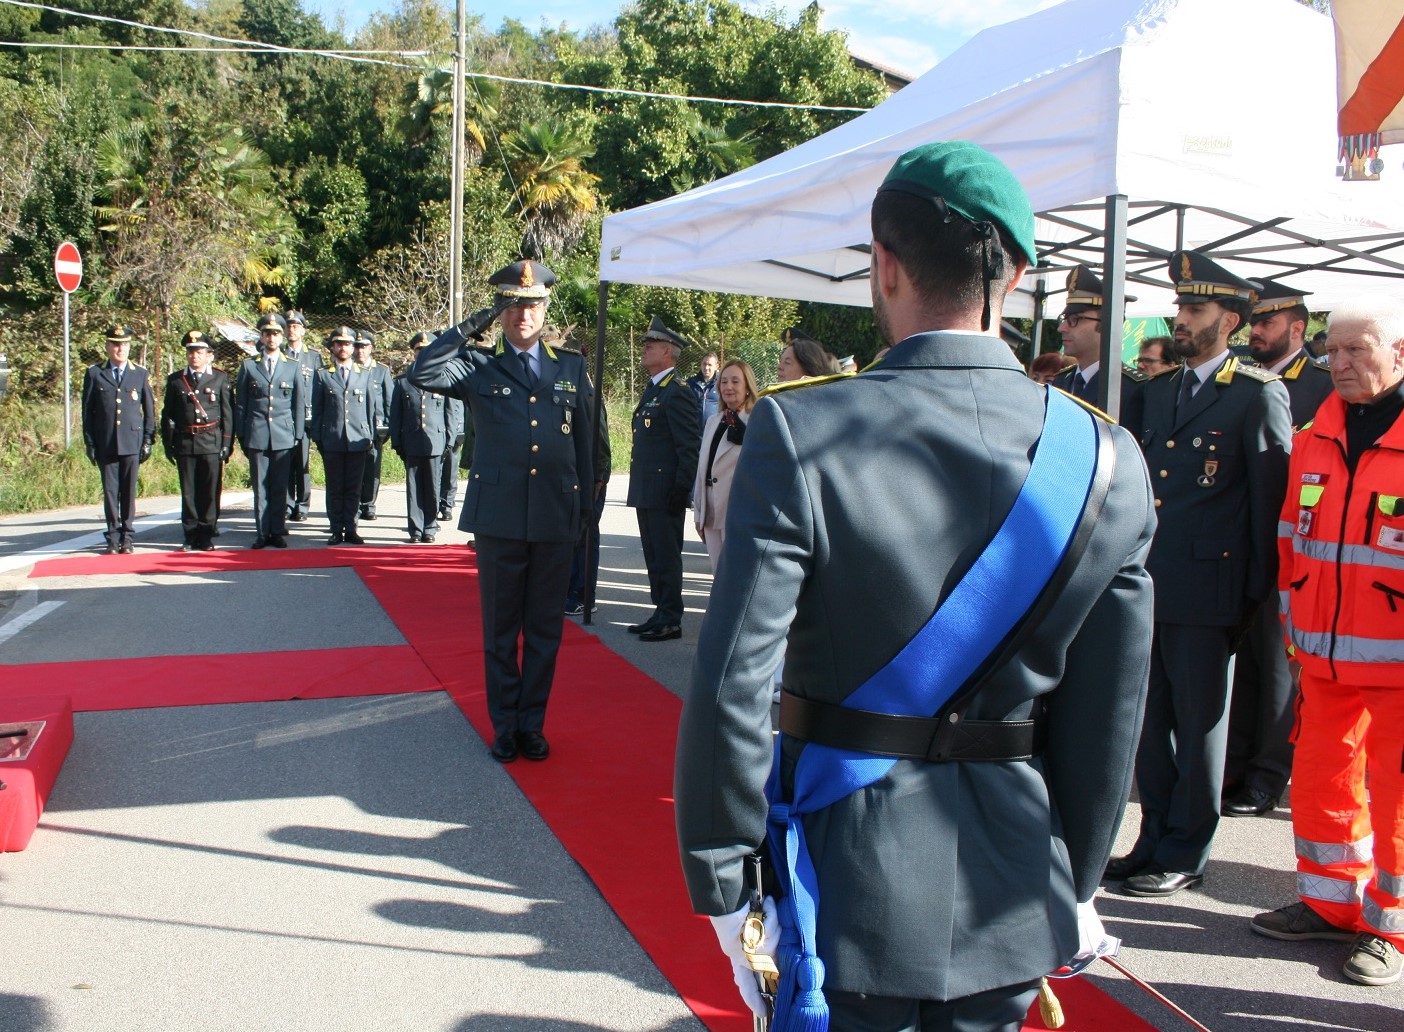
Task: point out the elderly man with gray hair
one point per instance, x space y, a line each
1341 577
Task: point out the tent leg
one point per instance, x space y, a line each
590 529
1113 305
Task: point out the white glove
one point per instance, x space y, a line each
1092 939
728 929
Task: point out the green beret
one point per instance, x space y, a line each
972 182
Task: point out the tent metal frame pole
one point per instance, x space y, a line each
1113 306
591 529
1036 338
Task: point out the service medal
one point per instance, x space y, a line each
1211 466
134 394
647 422
565 428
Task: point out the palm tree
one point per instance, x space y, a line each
429 99
556 192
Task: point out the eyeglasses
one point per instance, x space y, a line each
1073 321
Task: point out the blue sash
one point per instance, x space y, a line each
991 600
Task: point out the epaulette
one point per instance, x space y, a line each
1085 404
1170 371
1135 374
1253 372
547 348
803 381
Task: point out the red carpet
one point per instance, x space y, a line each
610 809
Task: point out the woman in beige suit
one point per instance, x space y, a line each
721 446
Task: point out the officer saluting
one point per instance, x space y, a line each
531 479
119 424
197 431
1215 435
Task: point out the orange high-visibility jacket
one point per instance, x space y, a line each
1341 545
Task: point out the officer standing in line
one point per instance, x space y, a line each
381 383
1261 714
300 473
449 461
1216 435
197 431
268 420
662 466
345 413
1080 328
119 424
420 434
531 478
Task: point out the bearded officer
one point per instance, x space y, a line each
837 508
1216 435
530 482
119 424
197 431
300 469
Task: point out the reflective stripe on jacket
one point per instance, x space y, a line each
1341 548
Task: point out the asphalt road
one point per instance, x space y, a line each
361 863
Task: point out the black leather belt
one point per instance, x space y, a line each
912 738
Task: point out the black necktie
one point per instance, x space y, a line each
117 373
1186 390
526 368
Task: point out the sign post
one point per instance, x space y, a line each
68 269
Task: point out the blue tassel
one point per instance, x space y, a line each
799 1001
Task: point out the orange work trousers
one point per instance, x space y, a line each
1350 843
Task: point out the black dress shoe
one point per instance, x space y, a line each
205 546
259 543
504 750
1119 868
337 538
414 538
297 516
352 538
187 547
1155 882
533 745
639 628
278 541
1250 802
367 514
662 632
429 537
445 514
111 548
126 547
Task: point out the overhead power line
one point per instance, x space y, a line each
359 56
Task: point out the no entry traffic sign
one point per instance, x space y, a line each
68 267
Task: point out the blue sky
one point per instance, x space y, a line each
908 35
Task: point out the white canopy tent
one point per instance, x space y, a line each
1214 120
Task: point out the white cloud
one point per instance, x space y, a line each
900 53
961 18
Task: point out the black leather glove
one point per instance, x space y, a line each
458 440
382 434
169 456
678 499
224 455
475 327
145 452
92 453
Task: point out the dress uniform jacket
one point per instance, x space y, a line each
117 420
874 494
666 434
1219 472
268 410
197 416
308 363
420 420
344 416
532 462
1132 384
1308 384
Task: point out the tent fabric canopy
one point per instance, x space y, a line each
1215 119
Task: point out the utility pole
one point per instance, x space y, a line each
460 68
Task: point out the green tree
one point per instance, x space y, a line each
546 162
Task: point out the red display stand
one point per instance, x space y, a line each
30 763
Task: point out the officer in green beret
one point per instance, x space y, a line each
945 827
